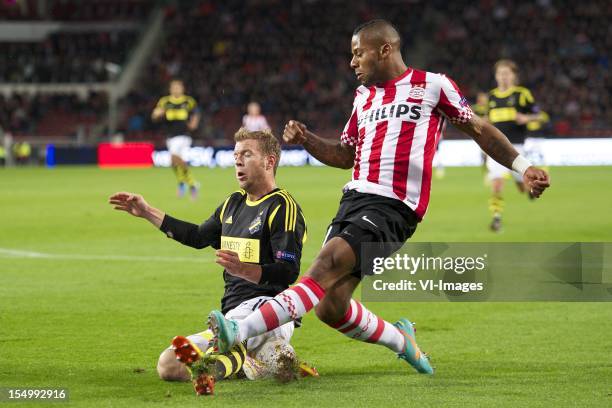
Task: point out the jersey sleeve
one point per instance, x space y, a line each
196 236
452 103
526 102
350 134
287 235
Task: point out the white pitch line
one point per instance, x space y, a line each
21 254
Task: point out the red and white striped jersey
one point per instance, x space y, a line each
255 123
395 127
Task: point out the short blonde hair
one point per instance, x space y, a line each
268 143
510 64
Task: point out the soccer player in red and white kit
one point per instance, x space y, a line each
398 116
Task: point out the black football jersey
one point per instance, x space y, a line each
268 232
177 114
503 107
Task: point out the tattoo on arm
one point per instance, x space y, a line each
490 139
333 153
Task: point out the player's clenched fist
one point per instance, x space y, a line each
295 132
536 180
131 203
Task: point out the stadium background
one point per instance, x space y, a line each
88 298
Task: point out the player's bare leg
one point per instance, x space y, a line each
337 300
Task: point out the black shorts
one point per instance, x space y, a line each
371 218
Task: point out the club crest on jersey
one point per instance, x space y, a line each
416 93
464 102
255 226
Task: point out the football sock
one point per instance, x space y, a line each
229 363
496 205
188 176
178 173
288 305
226 364
360 324
184 175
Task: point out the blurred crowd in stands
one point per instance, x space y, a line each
562 48
31 114
293 57
74 10
66 57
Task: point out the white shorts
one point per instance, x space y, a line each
283 333
179 146
497 171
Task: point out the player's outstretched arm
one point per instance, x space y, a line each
331 152
195 236
494 143
135 204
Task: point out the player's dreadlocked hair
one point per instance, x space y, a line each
268 143
376 22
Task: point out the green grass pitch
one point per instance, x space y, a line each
89 297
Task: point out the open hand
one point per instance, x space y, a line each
131 203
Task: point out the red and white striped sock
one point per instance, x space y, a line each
360 324
288 305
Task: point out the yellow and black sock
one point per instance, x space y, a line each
226 364
496 206
179 173
184 175
188 177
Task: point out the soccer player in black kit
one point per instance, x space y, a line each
180 115
258 232
510 108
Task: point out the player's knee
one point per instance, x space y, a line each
169 369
